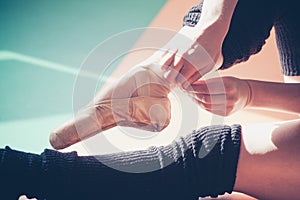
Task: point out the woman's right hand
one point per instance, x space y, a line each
191 54
195 51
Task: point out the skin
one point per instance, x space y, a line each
269 161
226 95
221 96
266 150
265 147
195 51
278 96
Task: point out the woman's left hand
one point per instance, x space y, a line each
222 96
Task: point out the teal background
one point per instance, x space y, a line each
42 44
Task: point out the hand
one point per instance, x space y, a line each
139 99
222 96
191 54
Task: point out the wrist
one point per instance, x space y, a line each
216 30
211 41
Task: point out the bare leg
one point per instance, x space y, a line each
268 165
269 161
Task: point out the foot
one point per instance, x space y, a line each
139 100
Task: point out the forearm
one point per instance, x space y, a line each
216 15
212 27
277 96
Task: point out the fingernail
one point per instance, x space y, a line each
166 74
165 67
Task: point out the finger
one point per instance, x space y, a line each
198 87
222 112
185 73
175 69
212 99
196 76
218 109
211 86
84 125
167 60
187 84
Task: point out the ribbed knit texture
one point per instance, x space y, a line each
287 28
250 26
201 164
20 173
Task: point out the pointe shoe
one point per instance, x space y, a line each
138 100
